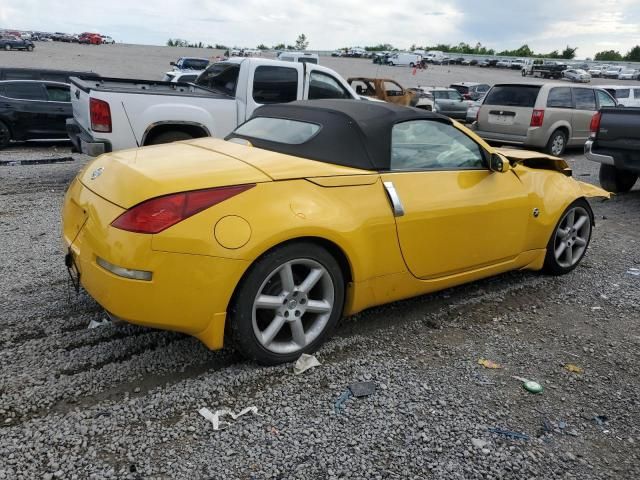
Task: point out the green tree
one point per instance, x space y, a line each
608 55
633 55
569 53
221 47
279 46
302 43
170 43
262 46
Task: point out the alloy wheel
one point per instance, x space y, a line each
557 147
572 237
293 306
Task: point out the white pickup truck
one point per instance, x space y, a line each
111 114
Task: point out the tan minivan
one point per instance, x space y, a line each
547 116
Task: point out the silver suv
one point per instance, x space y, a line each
547 116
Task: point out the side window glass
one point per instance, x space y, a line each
392 89
622 93
275 84
433 145
584 98
58 94
560 97
322 85
636 93
605 100
25 91
222 77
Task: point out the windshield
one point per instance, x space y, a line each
513 95
222 77
195 63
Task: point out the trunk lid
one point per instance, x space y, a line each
128 177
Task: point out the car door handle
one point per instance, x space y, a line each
394 199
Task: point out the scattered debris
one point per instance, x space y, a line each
214 418
339 403
570 367
102 323
304 363
596 308
529 385
357 390
362 389
489 364
509 433
634 271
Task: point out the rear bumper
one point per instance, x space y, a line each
534 138
628 160
84 142
596 157
186 293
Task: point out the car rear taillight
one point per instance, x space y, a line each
537 117
158 214
595 123
100 115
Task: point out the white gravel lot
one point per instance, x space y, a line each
121 401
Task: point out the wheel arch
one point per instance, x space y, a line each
335 250
196 130
561 125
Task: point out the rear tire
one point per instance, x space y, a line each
557 143
7 47
5 135
287 304
168 137
570 239
614 180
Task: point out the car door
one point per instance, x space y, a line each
584 101
59 103
29 103
453 215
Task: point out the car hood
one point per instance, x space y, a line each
128 177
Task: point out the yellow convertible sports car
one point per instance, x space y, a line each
311 211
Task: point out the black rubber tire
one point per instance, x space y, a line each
553 136
7 47
240 325
412 65
614 180
168 137
30 48
5 135
551 266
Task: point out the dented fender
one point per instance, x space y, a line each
591 191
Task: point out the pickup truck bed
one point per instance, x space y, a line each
615 144
151 87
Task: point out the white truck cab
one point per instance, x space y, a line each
111 114
305 57
404 59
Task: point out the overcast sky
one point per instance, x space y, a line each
545 25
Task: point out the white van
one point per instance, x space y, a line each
434 56
404 59
627 95
302 57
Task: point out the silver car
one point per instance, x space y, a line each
547 116
448 101
577 75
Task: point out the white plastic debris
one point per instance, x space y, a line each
214 418
102 323
634 271
304 363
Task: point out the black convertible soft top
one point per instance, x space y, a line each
354 133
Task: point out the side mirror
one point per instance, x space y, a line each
173 64
498 163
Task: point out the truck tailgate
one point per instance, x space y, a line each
80 105
620 128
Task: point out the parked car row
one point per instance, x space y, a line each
85 37
11 42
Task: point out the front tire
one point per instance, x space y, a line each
614 180
570 239
557 143
288 304
30 48
7 47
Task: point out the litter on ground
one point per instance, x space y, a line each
304 363
214 418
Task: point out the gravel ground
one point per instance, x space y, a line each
121 401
